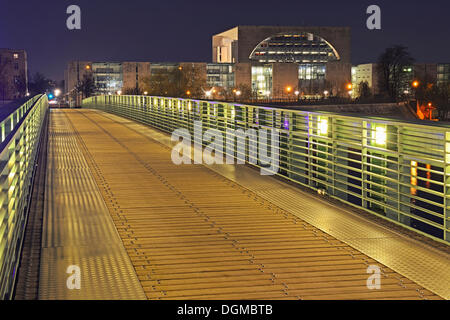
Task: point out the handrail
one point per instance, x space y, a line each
20 133
397 170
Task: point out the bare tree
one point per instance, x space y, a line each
390 66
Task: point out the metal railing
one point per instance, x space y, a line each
20 133
397 170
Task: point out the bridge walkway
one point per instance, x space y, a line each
141 227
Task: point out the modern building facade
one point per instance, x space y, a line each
271 62
365 73
13 74
309 60
443 73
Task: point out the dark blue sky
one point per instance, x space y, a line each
175 30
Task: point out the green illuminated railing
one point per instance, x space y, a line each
397 170
20 133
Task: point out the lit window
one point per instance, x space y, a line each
16 56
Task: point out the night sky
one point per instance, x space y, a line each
175 30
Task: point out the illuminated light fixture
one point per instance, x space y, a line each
297 92
288 89
188 93
88 67
238 93
349 86
57 92
323 126
208 93
119 92
415 84
379 135
145 93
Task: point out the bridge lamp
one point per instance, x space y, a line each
323 126
379 135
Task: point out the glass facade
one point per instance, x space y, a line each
300 48
262 81
311 78
443 73
220 75
108 77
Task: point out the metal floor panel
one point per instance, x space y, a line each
78 229
420 263
192 233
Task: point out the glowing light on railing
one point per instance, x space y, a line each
286 123
323 126
413 177
379 135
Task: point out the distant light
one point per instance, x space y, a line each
288 89
208 93
326 92
57 92
238 93
297 92
188 93
415 84
145 93
50 96
119 92
349 86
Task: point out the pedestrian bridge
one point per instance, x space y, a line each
93 206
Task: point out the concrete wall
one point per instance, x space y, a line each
284 75
75 72
134 73
243 74
338 75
